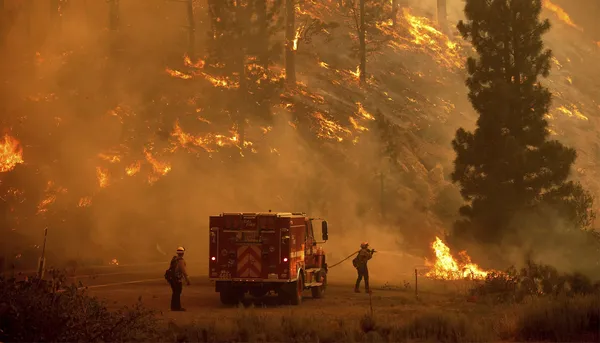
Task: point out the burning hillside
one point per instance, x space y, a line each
212 129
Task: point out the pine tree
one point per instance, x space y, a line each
508 166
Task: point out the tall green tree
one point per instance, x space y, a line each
508 166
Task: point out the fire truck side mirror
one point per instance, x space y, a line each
324 230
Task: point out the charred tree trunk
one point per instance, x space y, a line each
191 30
263 34
242 20
114 24
363 44
394 12
442 15
290 34
218 22
4 20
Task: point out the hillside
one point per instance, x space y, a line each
126 160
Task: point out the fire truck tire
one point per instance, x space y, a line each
296 293
317 292
229 297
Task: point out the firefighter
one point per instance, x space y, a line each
179 273
360 262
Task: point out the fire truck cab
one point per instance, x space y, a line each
267 252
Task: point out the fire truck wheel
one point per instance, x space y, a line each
317 292
296 295
229 297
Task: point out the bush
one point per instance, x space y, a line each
561 320
533 280
38 311
444 327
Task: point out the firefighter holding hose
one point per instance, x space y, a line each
360 263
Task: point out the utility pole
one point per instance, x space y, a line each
382 195
191 30
290 34
42 261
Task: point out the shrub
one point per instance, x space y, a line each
561 320
38 311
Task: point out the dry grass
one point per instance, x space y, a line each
544 319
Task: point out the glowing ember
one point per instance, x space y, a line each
111 158
85 202
572 113
102 176
114 262
447 268
133 168
329 129
11 154
561 14
178 74
159 168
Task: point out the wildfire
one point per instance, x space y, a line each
102 176
561 14
114 262
11 154
447 268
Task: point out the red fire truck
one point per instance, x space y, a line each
263 253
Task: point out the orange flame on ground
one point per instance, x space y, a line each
102 176
11 154
447 268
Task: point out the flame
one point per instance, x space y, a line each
159 168
102 176
296 38
447 268
572 113
133 168
561 14
52 193
424 36
178 74
11 154
329 129
209 142
114 262
85 201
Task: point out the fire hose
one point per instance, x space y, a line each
354 253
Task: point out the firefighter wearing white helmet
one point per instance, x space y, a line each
175 275
360 263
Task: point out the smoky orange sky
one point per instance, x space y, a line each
127 147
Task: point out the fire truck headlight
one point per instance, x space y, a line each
213 258
285 259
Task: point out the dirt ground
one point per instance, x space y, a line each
340 301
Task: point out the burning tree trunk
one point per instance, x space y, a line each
113 13
191 29
442 15
290 35
363 44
